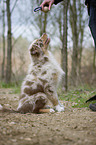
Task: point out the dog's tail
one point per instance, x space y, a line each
46 110
91 99
4 109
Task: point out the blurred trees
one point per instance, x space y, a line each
9 41
77 23
82 23
25 23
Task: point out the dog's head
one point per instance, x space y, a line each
39 46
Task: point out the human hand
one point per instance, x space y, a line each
47 3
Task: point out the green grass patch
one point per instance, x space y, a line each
78 96
15 88
5 85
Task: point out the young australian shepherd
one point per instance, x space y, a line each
41 82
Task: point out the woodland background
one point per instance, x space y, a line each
71 40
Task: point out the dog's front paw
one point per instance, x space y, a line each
59 108
52 110
1 107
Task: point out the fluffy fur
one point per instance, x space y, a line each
42 80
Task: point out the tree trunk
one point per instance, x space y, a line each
3 62
40 23
64 47
60 25
94 59
73 19
45 23
81 35
42 20
9 44
80 52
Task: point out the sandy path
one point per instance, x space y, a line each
72 127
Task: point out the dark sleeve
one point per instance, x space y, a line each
87 2
57 1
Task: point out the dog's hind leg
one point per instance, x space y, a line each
32 103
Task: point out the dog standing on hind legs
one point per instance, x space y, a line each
42 80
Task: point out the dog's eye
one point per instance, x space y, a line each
32 49
41 44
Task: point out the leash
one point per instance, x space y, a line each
46 9
37 9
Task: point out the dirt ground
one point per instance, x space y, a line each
72 127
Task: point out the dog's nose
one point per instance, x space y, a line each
44 35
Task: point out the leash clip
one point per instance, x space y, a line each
37 9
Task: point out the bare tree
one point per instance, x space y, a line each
9 44
77 23
81 27
3 62
64 45
73 22
94 61
9 41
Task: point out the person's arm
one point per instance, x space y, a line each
87 2
57 1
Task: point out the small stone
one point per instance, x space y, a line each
28 139
12 123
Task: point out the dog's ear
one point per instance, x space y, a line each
33 48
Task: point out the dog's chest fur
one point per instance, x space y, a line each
42 72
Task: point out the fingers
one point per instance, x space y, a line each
50 4
47 2
42 5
